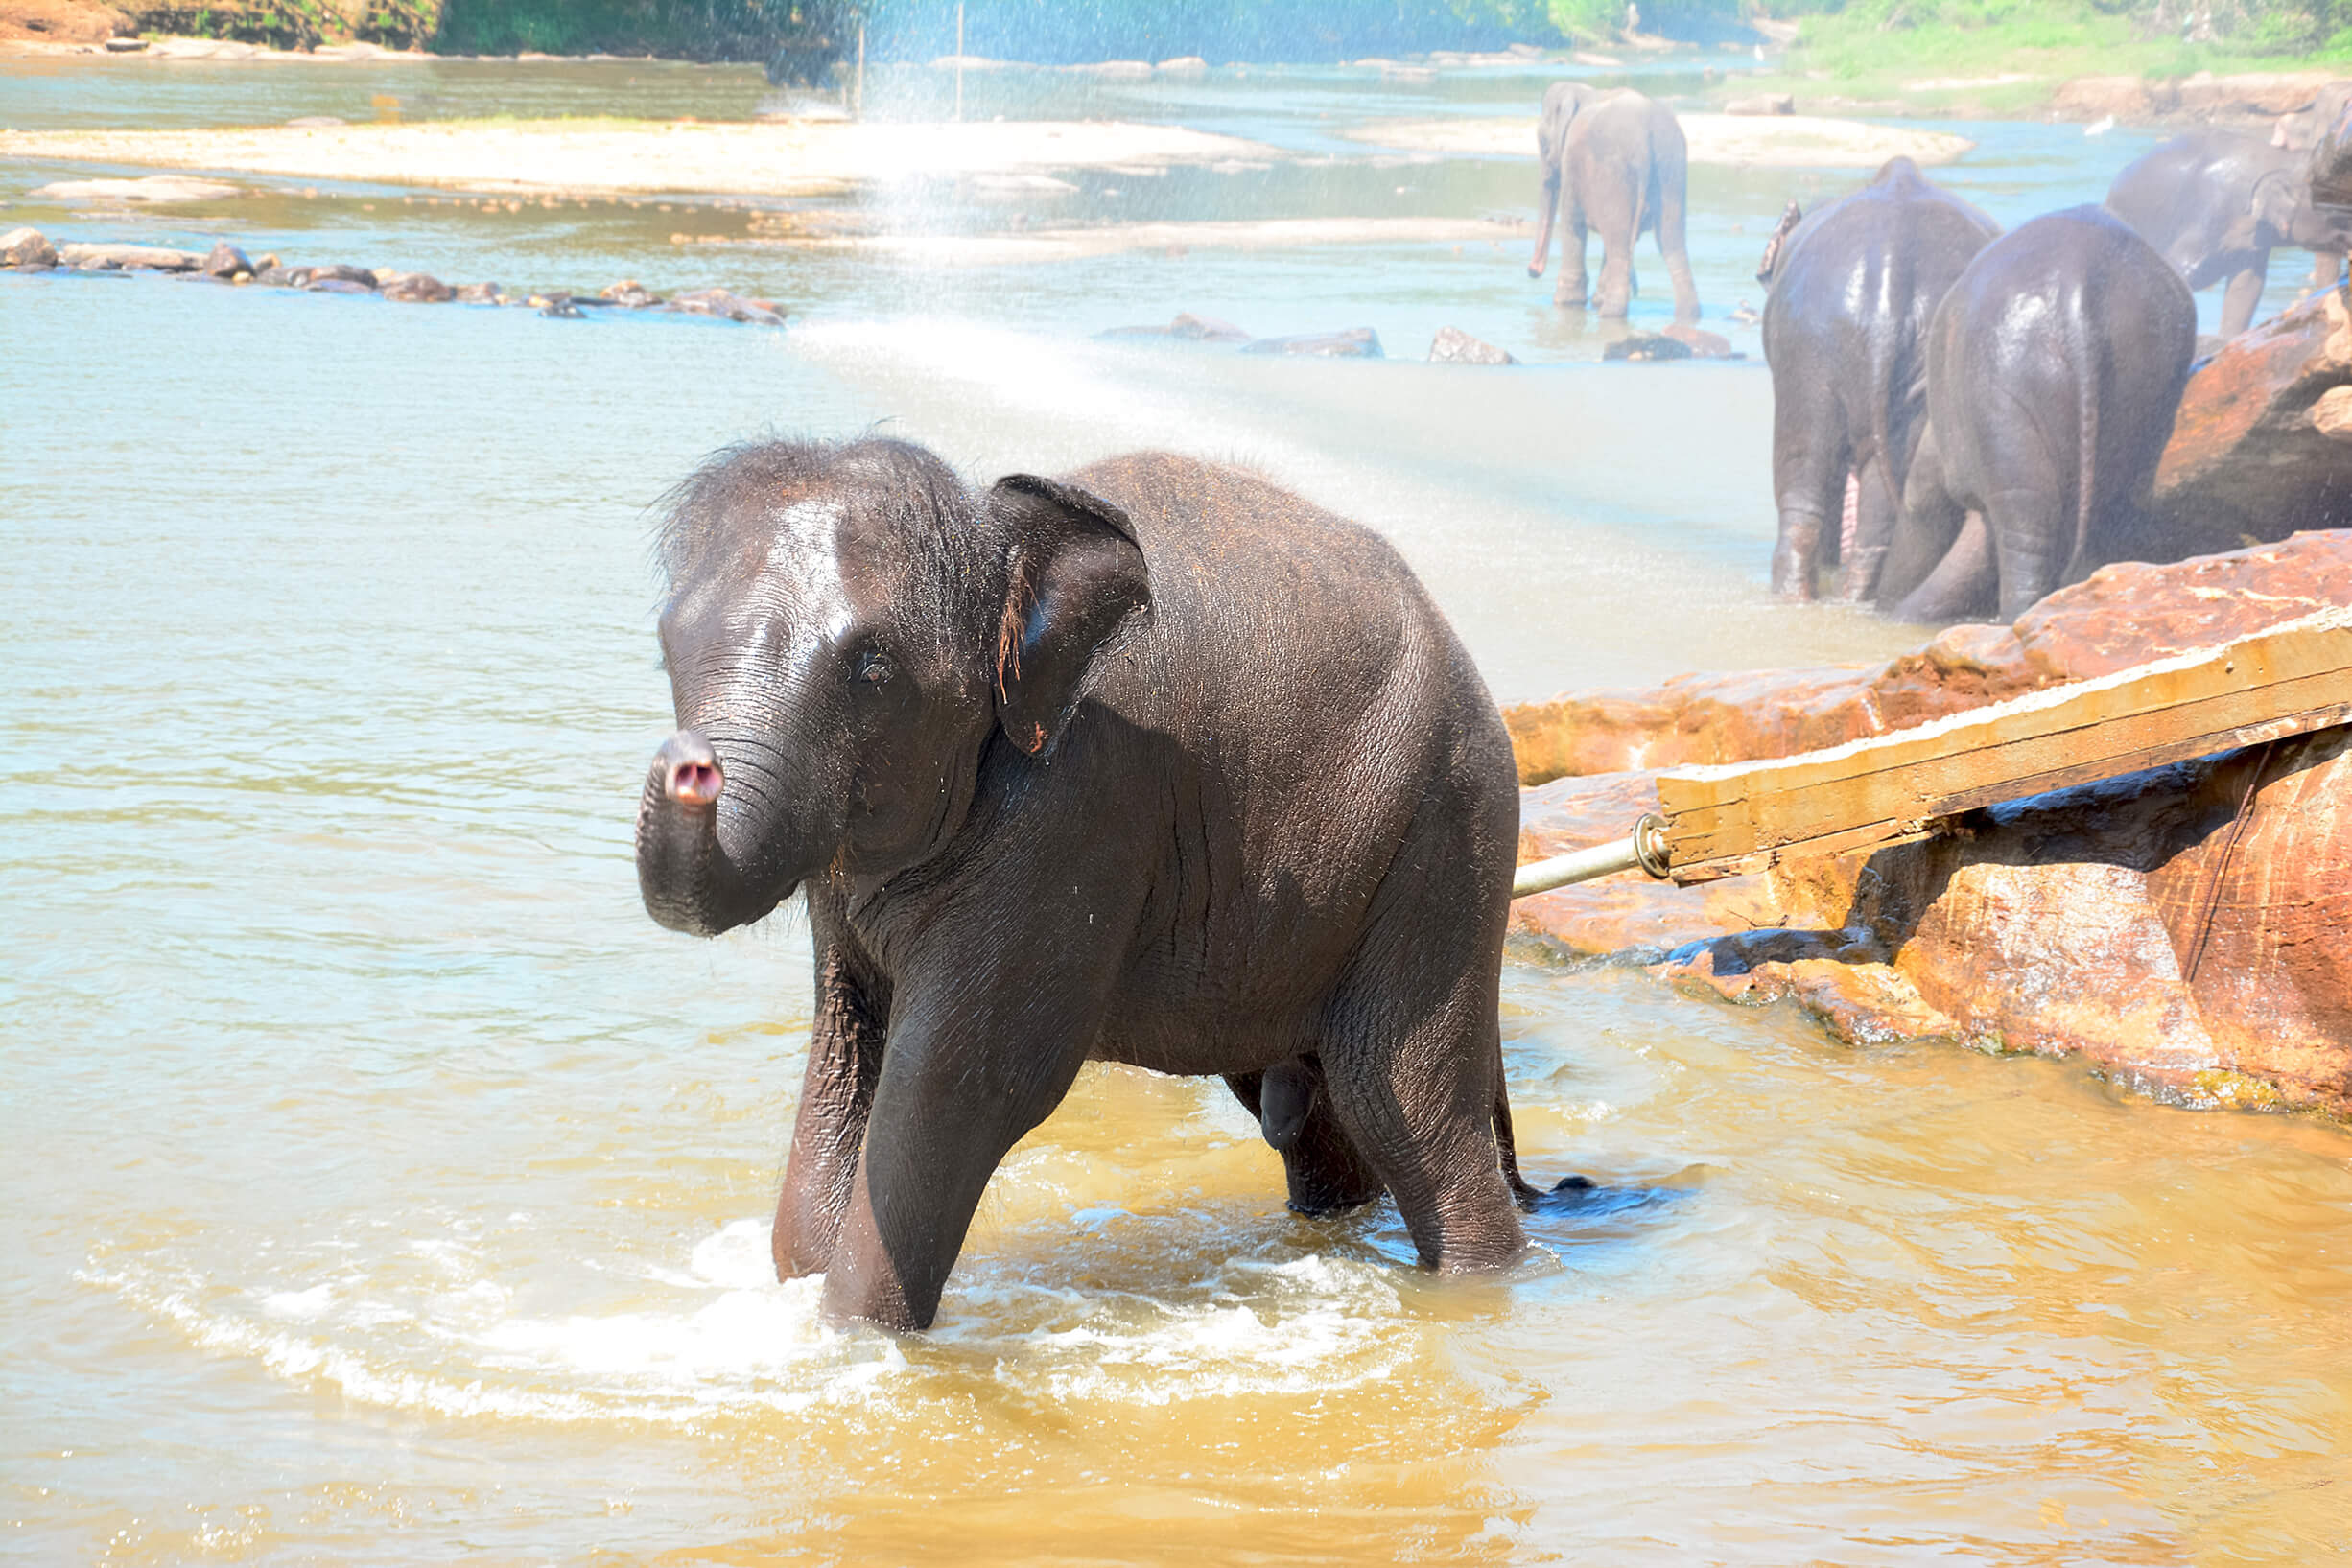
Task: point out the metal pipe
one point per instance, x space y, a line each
1644 851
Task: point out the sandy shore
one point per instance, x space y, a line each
614 157
1072 243
1788 141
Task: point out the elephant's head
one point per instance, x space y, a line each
2282 212
846 631
2322 119
1769 268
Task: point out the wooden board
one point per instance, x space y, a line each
1741 817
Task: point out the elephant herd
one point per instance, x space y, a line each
1964 420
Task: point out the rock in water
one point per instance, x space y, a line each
1199 329
1454 346
562 309
476 293
1637 347
226 260
2258 450
28 250
128 258
1355 343
1703 343
419 289
718 302
2179 927
632 295
362 278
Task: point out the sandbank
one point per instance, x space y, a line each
1073 243
1787 141
792 159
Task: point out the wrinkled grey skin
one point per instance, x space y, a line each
1154 764
1612 161
2216 205
2055 368
1853 285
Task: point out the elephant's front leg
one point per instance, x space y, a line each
845 1058
2242 294
975 1061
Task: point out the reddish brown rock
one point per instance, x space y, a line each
2257 451
2120 616
2185 929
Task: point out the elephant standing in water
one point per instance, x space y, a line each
2216 205
2055 368
1612 161
1852 287
1154 763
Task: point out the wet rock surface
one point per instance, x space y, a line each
2259 448
1641 347
419 289
27 248
2181 928
1454 346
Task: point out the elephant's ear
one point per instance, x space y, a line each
1076 580
2274 206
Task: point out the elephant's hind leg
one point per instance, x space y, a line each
1574 281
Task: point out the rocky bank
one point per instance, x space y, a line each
2182 930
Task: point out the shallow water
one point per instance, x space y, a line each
381 1186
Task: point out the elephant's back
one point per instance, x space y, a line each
1262 601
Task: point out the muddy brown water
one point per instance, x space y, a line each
381 1186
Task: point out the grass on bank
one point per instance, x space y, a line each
1875 55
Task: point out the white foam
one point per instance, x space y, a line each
723 1335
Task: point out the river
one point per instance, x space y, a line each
381 1186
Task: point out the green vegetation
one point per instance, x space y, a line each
1865 48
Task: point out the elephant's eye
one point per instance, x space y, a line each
872 666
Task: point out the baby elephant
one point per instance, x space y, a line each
1154 764
2054 366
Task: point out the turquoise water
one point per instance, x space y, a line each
380 1185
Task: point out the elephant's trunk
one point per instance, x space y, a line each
689 880
1547 205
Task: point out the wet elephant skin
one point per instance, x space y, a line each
1613 161
2216 204
1154 763
2055 368
1853 285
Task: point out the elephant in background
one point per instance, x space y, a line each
2216 204
1852 287
1040 758
1614 161
2055 368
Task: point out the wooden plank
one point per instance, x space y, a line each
2284 681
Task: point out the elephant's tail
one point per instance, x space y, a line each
2085 354
1523 1193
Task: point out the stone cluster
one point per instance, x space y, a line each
28 250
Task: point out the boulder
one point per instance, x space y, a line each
27 250
562 308
1355 343
419 289
2121 615
2257 449
281 277
632 294
226 260
476 293
343 278
128 258
1703 343
1763 104
336 286
1640 347
1454 346
729 307
2178 928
